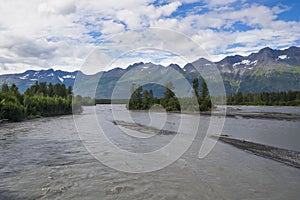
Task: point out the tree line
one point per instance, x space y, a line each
41 99
144 99
290 98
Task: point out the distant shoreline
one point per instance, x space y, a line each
244 114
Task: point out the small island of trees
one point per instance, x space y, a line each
144 99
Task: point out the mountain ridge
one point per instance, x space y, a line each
240 73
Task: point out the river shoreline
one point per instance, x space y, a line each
288 157
232 113
31 118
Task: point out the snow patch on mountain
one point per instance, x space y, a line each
69 76
283 57
254 62
24 77
245 62
61 79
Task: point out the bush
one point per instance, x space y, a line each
12 111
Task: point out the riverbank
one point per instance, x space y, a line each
34 117
288 157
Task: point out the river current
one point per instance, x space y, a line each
46 159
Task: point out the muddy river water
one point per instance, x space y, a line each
45 159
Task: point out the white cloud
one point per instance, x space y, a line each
110 27
168 9
215 3
57 7
131 18
60 34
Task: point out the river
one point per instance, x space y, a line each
46 159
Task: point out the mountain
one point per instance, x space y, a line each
28 78
266 70
270 70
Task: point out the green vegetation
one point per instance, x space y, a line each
267 79
290 98
144 100
141 100
38 100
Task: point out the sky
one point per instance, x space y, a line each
63 34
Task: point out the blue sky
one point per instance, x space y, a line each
39 34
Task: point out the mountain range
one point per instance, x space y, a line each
267 70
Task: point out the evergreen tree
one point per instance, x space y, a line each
50 90
195 87
170 102
205 100
151 98
42 88
5 87
204 90
145 100
151 94
135 102
169 93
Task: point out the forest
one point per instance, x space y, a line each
144 99
41 99
290 98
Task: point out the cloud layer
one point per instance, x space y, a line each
39 34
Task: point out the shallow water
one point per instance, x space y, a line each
45 159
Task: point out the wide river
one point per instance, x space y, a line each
46 159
